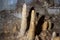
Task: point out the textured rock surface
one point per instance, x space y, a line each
10 24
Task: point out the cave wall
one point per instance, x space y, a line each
7 4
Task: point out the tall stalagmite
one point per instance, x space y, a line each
31 31
23 21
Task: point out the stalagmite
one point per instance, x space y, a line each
44 26
31 31
53 35
49 22
45 34
23 21
44 30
